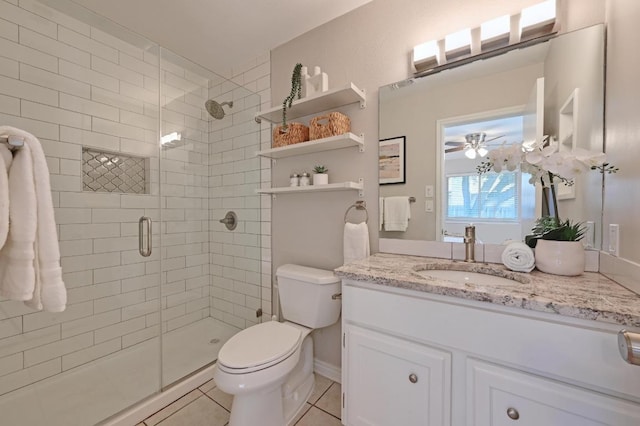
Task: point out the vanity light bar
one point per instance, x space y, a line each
531 22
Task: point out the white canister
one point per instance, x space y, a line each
294 179
304 179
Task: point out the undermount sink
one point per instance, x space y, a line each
470 273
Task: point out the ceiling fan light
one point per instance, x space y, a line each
482 151
470 153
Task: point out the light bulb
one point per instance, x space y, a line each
470 153
482 151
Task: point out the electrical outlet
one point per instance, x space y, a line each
614 239
589 234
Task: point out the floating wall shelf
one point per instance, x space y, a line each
342 186
325 101
326 144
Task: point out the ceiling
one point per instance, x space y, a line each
221 34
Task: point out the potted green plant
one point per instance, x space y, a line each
296 92
320 175
558 247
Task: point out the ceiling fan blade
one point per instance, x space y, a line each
494 138
453 143
447 151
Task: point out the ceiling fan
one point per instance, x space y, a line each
475 144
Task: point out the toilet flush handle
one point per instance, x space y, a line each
336 296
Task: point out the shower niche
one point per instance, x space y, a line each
104 171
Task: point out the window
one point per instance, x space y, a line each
490 196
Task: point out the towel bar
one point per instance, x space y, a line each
14 142
358 205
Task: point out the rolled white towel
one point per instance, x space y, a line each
518 257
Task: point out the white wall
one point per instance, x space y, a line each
622 198
370 47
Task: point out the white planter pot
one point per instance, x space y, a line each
320 179
560 257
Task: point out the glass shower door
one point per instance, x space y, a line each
88 90
210 275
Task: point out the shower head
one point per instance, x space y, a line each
215 109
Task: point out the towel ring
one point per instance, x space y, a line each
358 205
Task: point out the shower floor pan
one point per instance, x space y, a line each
95 391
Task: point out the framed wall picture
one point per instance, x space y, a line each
391 160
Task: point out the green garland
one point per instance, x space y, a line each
296 89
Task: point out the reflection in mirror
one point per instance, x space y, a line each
451 119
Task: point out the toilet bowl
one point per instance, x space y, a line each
268 368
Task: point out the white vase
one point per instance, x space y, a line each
320 179
560 257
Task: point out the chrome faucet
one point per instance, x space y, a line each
469 243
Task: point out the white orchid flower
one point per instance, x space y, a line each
544 163
590 158
513 157
540 153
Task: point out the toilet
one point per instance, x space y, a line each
268 367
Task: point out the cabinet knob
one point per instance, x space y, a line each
413 378
513 413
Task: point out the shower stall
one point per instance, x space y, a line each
147 151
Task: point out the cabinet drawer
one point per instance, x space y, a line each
393 381
499 396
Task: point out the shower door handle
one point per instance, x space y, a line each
144 220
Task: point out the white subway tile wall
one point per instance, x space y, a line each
73 85
240 260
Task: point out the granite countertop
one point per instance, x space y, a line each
589 296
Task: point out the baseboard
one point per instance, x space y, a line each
327 370
155 403
623 271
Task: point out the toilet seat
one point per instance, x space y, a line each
259 347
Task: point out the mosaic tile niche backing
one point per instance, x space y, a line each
109 172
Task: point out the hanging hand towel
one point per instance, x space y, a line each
518 257
44 279
356 242
5 164
397 213
380 213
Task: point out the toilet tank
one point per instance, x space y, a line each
305 295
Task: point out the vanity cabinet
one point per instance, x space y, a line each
499 396
386 371
477 364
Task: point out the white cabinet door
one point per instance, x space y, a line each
392 382
499 396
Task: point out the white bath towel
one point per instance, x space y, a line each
518 257
380 213
397 212
5 165
355 242
32 230
17 272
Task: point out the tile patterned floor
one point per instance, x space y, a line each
209 406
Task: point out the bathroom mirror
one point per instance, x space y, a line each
452 118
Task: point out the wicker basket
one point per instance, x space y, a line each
332 124
295 133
